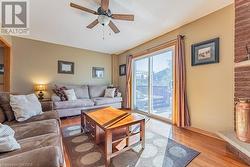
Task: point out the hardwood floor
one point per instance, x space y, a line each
213 151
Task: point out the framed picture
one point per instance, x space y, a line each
122 70
1 69
97 72
205 52
65 67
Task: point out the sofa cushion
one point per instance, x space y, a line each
43 157
35 128
81 91
73 104
2 116
5 104
35 142
106 100
97 90
44 116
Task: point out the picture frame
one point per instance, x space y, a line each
122 70
206 52
1 69
66 67
98 72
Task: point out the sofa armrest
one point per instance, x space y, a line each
46 156
55 98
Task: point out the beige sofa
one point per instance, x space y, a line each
88 97
40 139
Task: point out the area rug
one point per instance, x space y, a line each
159 151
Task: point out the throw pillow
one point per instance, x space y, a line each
59 91
116 90
70 94
7 139
81 91
25 106
110 92
5 104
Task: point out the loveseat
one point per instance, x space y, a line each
39 137
88 97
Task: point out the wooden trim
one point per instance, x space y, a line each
4 43
203 132
6 59
155 48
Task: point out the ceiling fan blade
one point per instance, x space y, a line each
105 5
73 5
93 24
113 27
127 17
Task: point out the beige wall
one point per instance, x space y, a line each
209 87
36 62
115 70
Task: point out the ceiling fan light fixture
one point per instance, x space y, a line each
104 20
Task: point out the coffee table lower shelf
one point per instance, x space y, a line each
116 140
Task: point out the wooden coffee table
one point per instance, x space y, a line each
113 127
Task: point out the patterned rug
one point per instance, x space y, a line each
159 151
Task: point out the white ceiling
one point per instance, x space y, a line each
54 21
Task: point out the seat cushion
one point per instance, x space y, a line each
44 116
97 90
43 157
35 128
106 100
73 104
35 143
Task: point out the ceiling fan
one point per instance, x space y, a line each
104 15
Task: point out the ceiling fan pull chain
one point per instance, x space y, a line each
103 33
109 32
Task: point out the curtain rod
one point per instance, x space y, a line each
155 48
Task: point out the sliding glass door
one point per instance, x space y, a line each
153 84
141 76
